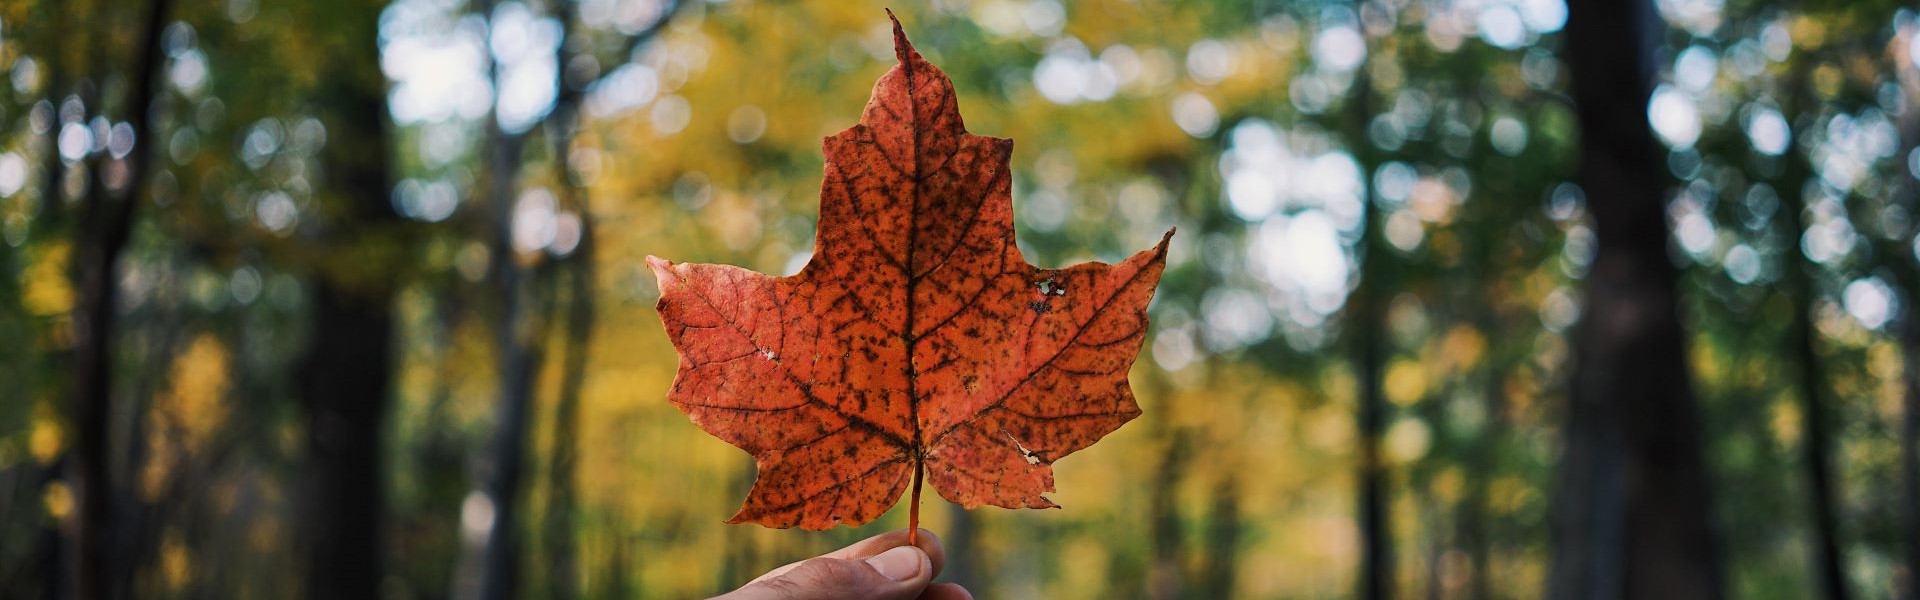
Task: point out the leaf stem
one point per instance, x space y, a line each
913 515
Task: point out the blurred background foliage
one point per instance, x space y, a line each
347 298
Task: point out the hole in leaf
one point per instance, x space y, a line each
1032 458
1049 287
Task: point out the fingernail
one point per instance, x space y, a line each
898 564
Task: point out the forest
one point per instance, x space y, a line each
1470 299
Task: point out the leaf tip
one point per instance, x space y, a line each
901 47
662 268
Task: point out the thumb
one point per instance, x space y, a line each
897 574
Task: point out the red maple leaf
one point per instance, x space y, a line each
917 340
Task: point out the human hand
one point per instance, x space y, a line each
882 567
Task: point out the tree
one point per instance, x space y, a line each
1368 316
105 225
1910 405
1815 401
518 329
345 379
1633 514
1907 194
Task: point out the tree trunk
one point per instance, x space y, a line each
1224 528
1910 440
963 548
1366 313
1798 284
1633 510
344 383
518 328
1910 435
345 379
517 362
564 569
618 583
1165 573
1376 530
105 226
1907 268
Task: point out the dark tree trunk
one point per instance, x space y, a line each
1365 315
1165 579
563 566
1798 284
1907 268
1472 531
561 501
105 226
1815 444
518 360
1223 541
962 539
345 382
519 357
345 379
1910 439
617 580
1633 510
1376 532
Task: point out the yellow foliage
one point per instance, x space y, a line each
157 470
1462 348
1808 32
1406 382
1448 485
1708 364
1329 428
1784 420
45 288
176 561
1883 362
48 437
1509 494
1083 564
185 417
58 500
196 406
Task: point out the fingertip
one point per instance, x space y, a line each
903 563
936 550
926 541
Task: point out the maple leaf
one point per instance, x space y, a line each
917 341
